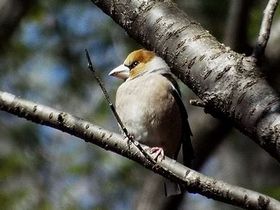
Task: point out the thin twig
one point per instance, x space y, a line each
167 167
197 102
116 115
265 29
90 67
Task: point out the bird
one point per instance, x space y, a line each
149 105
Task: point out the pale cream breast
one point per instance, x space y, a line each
150 112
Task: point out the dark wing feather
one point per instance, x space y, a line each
188 153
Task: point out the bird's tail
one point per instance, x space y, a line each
172 188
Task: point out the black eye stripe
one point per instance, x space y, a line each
132 65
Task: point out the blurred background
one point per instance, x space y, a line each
42 59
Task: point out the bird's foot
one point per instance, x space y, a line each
157 153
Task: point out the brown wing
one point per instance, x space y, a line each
188 153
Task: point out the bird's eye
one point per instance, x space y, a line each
135 63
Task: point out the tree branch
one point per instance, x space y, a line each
169 168
265 29
150 196
228 83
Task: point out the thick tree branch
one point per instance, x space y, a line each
265 29
192 180
227 82
150 196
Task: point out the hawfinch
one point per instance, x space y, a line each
150 106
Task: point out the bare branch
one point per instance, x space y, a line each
228 83
196 102
169 168
265 29
205 128
90 67
116 115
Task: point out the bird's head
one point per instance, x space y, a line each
138 62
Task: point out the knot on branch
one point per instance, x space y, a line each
61 117
263 202
215 103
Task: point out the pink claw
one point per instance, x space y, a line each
157 152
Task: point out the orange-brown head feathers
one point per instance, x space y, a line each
136 63
137 60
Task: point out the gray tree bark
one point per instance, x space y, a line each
230 84
193 181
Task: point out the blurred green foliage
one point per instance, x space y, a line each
44 61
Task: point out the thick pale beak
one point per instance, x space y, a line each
121 72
